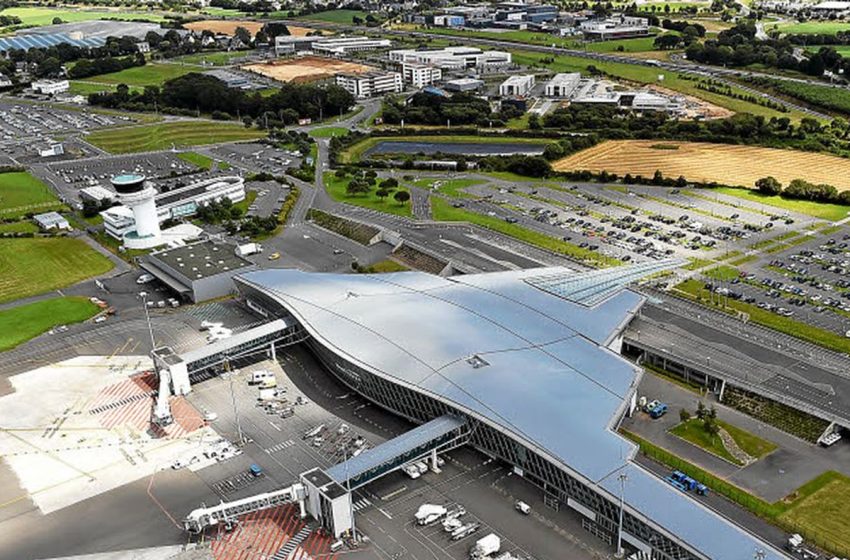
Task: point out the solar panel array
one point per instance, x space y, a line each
26 42
590 288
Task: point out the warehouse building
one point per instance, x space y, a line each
370 84
517 86
562 85
198 271
457 355
452 58
621 27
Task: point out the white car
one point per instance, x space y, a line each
100 319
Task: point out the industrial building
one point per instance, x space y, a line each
50 87
198 271
420 75
119 221
517 86
452 58
562 85
84 34
621 27
463 85
232 79
51 220
458 378
370 84
335 46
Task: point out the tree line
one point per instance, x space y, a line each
801 189
459 109
202 93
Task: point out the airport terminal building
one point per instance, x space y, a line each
528 361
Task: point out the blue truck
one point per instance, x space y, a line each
658 411
686 484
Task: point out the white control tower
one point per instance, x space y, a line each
138 195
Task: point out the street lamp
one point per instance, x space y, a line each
622 477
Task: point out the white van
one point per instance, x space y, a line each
260 376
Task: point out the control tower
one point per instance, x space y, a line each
138 195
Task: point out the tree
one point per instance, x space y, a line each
243 35
389 184
534 121
700 410
401 196
382 193
769 186
356 187
57 21
684 415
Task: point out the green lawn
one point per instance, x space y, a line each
19 324
822 210
724 273
18 227
640 44
34 266
82 87
213 58
355 152
648 75
250 197
809 27
328 132
163 136
443 211
692 431
450 187
788 325
336 189
196 159
336 16
20 193
823 515
750 443
151 74
32 16
381 267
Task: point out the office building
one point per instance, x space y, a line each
420 75
452 58
370 84
517 86
562 85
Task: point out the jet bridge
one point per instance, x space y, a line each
226 512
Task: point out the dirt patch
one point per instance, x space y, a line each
704 162
694 106
225 27
306 69
296 31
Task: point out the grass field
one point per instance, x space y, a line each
196 159
83 87
34 266
693 432
822 210
355 152
382 267
32 16
824 514
18 227
751 444
220 58
336 188
19 324
809 27
836 100
336 16
648 75
20 193
150 74
704 162
162 136
328 132
441 210
640 44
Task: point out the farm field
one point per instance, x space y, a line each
19 324
227 27
335 16
306 69
163 136
20 193
150 74
38 265
704 162
33 16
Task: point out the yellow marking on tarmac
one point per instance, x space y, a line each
51 454
14 500
121 348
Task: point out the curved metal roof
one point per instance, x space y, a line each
525 359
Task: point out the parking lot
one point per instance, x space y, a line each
255 157
332 423
19 121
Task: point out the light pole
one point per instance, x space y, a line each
622 477
148 319
233 400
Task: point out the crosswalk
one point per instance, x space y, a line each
293 543
279 447
121 402
361 504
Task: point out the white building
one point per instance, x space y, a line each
5 81
615 28
339 46
370 84
421 75
452 58
644 101
51 220
562 85
517 86
50 87
50 149
120 220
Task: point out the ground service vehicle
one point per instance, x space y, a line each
429 513
658 411
523 507
465 531
485 546
261 375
